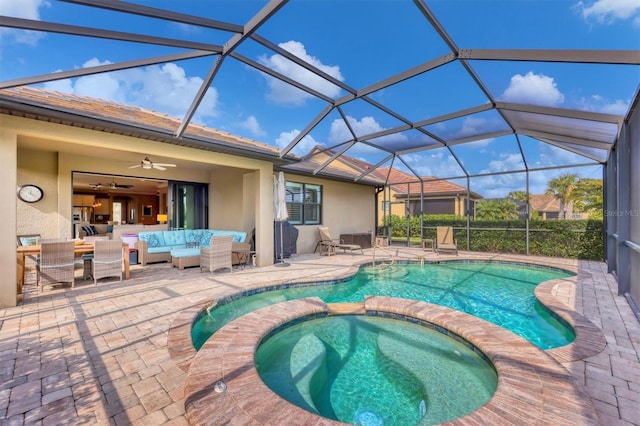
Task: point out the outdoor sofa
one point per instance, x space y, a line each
156 246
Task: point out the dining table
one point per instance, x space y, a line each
80 248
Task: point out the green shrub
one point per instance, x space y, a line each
581 239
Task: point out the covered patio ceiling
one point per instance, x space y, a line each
459 93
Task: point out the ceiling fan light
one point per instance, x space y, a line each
147 165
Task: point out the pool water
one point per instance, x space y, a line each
373 371
501 293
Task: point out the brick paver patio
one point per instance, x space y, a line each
98 354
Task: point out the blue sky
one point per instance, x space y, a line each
358 43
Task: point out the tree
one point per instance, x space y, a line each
588 197
518 195
496 210
562 189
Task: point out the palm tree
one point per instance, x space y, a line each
562 189
496 210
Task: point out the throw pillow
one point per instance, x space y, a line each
153 241
87 230
94 231
205 240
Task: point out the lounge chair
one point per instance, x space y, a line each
445 240
329 245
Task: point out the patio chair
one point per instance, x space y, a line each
329 245
445 240
107 259
56 263
217 255
28 240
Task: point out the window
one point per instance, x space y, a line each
304 203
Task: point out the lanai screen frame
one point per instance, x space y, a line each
581 132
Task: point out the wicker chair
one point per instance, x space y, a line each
217 255
56 263
107 259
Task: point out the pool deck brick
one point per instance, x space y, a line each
100 354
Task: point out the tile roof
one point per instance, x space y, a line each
544 203
133 117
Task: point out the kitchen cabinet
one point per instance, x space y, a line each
80 200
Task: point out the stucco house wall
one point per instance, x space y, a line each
240 188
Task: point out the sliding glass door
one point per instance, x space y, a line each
188 205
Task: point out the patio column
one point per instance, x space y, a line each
8 226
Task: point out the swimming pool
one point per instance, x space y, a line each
499 292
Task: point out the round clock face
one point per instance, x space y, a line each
30 193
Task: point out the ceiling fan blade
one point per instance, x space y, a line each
164 164
158 167
134 166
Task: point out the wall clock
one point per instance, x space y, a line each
30 193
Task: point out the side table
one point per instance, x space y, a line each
243 257
427 244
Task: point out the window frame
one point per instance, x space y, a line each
304 205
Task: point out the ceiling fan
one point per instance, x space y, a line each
148 164
112 185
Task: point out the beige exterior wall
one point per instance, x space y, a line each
346 208
8 178
241 189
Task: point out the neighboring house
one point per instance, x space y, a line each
439 196
402 195
546 205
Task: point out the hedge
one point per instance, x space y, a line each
581 239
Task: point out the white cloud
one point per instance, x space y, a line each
533 88
162 88
27 9
609 11
506 162
598 103
283 93
251 124
303 147
438 163
498 186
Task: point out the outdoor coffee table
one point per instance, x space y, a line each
185 257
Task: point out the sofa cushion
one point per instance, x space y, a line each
161 249
174 238
153 239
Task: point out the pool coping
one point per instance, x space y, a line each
533 387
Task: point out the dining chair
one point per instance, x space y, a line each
107 259
56 263
28 240
217 255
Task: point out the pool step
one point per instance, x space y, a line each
346 308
